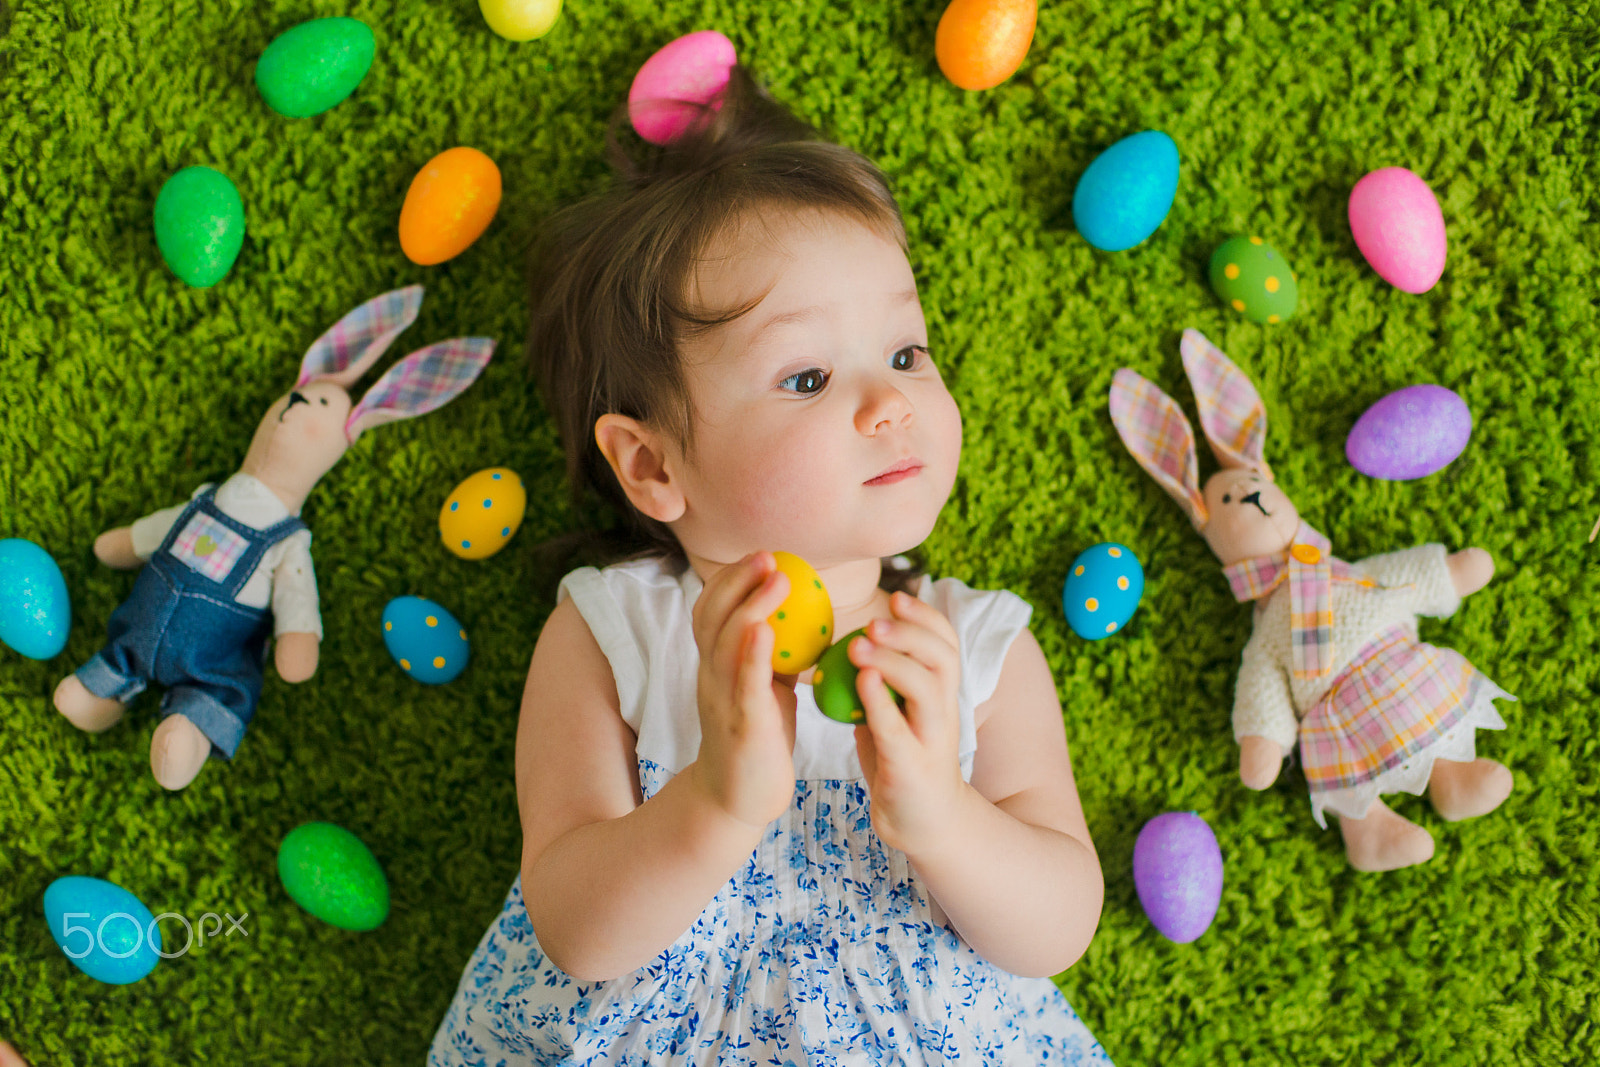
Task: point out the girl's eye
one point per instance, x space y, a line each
909 352
812 380
807 381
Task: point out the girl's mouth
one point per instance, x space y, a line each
898 473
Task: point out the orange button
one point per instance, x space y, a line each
1306 554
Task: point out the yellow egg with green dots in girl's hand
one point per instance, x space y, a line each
803 623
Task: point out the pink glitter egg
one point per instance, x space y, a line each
693 68
1398 227
1177 870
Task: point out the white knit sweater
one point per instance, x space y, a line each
1268 701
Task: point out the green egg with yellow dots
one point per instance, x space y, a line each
833 683
1255 280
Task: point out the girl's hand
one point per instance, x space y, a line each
910 758
746 760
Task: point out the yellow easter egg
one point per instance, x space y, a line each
803 623
520 20
480 515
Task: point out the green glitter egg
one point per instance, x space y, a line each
833 683
199 222
312 67
1254 280
331 874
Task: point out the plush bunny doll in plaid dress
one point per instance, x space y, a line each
236 557
1334 662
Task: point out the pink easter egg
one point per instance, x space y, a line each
1397 224
694 68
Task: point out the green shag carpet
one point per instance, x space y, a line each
125 389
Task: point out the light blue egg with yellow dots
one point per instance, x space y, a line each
1102 590
425 639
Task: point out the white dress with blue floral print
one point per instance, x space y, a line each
821 950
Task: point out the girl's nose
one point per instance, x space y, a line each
883 407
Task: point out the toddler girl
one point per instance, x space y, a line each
731 343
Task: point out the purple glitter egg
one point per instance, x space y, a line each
1410 433
1177 869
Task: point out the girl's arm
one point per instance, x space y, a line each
1015 871
609 881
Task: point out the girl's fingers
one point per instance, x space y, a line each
924 614
727 589
891 733
908 677
916 641
754 680
750 613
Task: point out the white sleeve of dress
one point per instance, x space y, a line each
608 622
1262 704
295 607
1419 579
150 531
986 621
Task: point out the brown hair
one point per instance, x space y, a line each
610 276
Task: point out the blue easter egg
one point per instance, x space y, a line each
1102 590
35 614
425 639
1127 191
103 929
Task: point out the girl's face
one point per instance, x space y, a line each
805 401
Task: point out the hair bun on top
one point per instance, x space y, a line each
743 116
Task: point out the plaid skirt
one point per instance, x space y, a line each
1400 705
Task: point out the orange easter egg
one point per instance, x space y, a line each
981 43
450 203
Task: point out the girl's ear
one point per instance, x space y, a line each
639 459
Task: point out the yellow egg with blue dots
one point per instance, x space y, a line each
803 623
482 513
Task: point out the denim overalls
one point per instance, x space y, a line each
182 628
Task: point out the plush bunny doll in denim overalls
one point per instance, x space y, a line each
223 565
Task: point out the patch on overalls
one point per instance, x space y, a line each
209 548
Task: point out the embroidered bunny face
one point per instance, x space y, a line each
302 432
306 431
1248 515
1242 512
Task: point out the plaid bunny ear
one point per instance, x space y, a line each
1231 412
1152 425
428 378
354 343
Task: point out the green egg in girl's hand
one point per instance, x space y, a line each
833 683
1253 279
